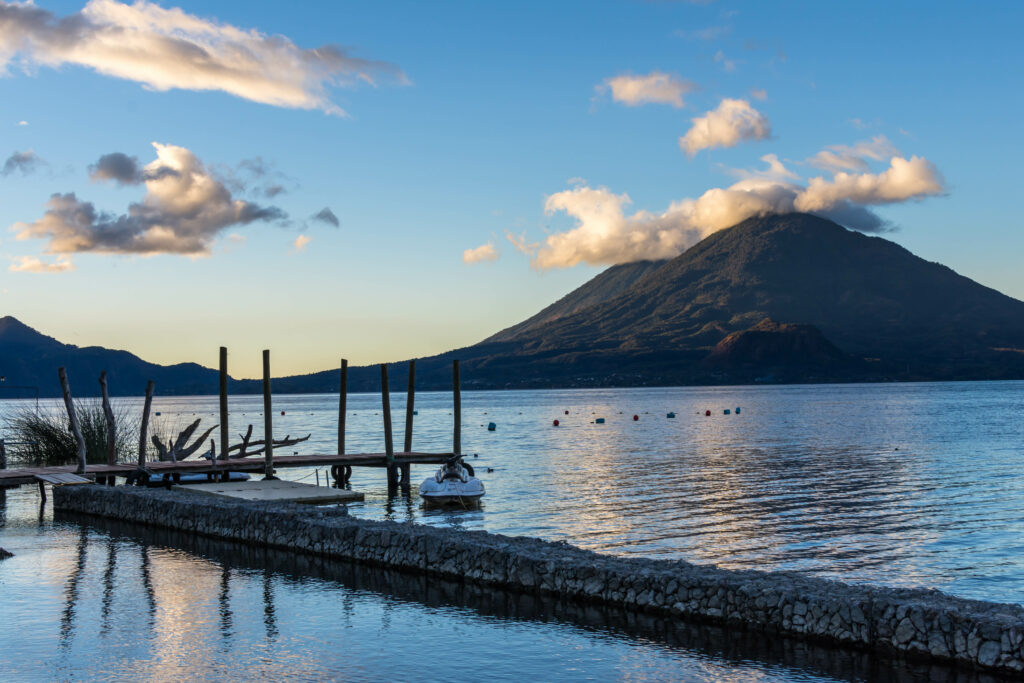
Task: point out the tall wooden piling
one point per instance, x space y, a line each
108 414
389 445
224 438
144 429
73 417
456 409
3 455
268 420
342 405
410 405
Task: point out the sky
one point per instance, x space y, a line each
386 180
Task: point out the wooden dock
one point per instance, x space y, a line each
29 475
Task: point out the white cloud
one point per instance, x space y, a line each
483 253
31 264
22 123
759 94
727 64
732 122
776 170
604 233
168 49
654 88
836 158
183 210
520 243
301 241
905 179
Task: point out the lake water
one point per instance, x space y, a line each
897 484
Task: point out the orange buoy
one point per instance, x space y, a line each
555 423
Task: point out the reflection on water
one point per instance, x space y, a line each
282 616
909 484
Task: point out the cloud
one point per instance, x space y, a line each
759 94
31 264
325 215
776 171
22 123
520 243
709 33
727 64
605 234
836 158
25 162
166 49
731 123
484 253
182 212
654 88
905 179
301 241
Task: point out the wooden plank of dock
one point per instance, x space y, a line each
27 475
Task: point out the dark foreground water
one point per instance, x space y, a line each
893 484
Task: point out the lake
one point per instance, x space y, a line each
894 484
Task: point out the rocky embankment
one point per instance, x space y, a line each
916 622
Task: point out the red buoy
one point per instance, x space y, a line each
567 412
635 418
555 423
282 412
707 413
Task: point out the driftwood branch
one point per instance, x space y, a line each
260 446
177 450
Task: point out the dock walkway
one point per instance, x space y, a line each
28 475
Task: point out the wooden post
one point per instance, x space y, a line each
224 439
342 405
389 445
456 409
73 417
144 429
108 413
410 404
268 421
3 456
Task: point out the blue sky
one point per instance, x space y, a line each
483 115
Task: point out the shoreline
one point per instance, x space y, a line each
920 623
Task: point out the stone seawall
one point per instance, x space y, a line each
916 622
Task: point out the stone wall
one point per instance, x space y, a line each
916 622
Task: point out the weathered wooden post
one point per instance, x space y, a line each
389 446
456 409
224 439
3 455
410 409
342 405
268 421
144 429
108 413
73 417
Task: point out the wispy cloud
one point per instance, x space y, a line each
182 212
301 242
325 215
167 48
31 264
653 88
485 253
732 122
726 63
854 157
23 162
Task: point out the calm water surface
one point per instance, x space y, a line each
911 485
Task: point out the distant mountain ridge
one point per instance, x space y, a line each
792 298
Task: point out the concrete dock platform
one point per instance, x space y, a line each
273 490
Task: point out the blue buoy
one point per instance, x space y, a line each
158 414
415 412
491 426
599 420
670 415
726 412
737 410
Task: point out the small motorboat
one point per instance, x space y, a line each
453 484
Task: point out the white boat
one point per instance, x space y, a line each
453 484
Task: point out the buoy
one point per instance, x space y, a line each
490 469
726 412
476 455
599 420
415 412
737 410
567 412
555 423
158 414
282 412
707 413
635 418
491 426
670 415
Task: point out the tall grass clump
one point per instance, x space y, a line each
44 438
